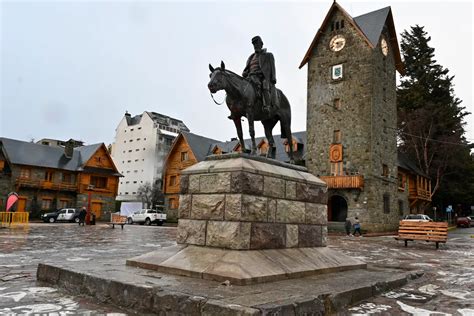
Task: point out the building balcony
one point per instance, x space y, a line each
93 189
45 185
419 194
344 182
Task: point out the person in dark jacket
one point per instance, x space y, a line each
348 226
82 216
260 70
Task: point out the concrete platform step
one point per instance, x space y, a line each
146 291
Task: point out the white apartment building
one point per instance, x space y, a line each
141 145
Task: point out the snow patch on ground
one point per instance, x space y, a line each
78 259
369 308
463 295
429 289
418 311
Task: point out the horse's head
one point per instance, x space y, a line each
218 80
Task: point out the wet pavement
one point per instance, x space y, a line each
21 249
447 286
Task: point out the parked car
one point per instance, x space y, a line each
464 221
49 217
417 218
62 215
147 217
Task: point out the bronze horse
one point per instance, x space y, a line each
242 101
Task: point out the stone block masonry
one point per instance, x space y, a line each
241 203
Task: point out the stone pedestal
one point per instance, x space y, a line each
249 220
239 203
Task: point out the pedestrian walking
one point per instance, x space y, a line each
82 216
348 226
357 227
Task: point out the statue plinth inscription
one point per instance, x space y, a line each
241 203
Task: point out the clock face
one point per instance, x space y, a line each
384 46
337 43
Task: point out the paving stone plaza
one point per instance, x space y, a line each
446 286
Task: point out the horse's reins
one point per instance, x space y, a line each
212 96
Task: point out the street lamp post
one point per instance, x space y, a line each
90 187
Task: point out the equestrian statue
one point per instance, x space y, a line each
254 96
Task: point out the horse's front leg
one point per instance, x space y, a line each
238 126
252 134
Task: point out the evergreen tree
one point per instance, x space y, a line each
430 118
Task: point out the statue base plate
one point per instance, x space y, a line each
248 266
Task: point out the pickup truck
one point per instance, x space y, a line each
147 217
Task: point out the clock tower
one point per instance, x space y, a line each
352 115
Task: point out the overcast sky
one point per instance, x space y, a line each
70 69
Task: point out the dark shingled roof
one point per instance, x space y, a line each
372 24
203 146
281 154
200 145
31 154
405 163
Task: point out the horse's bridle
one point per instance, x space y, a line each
213 96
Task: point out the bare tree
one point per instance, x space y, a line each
151 194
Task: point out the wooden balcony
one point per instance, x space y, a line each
87 188
45 185
419 194
344 182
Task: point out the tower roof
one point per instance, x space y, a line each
369 26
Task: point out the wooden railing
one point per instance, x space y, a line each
419 194
27 182
344 182
13 218
87 188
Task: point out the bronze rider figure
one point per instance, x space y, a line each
260 70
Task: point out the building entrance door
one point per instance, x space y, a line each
337 209
96 209
21 206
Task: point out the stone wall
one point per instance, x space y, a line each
107 204
249 210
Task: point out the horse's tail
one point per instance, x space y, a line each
285 115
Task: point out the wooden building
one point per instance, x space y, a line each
189 149
48 178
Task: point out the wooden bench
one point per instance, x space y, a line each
116 219
429 231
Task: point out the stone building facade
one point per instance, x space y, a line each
352 116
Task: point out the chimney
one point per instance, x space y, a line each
69 149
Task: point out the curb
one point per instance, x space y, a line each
149 299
